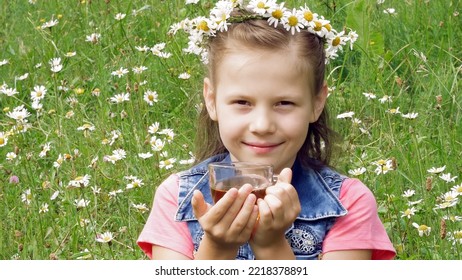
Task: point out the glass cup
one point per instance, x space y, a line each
224 176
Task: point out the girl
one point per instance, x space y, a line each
264 98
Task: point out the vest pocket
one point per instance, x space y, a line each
304 240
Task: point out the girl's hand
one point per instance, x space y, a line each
278 211
228 224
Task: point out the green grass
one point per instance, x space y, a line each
412 56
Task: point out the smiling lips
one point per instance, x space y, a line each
262 148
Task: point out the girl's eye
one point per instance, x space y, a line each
285 103
242 102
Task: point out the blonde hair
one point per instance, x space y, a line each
317 149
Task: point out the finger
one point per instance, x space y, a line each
199 205
242 219
266 217
285 176
237 203
276 206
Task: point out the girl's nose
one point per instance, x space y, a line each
262 122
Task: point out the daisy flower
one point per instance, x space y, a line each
43 208
410 116
457 189
369 95
86 128
4 62
142 208
357 171
135 183
260 7
422 229
153 128
45 149
70 54
167 164
393 111
81 203
120 72
38 93
10 156
145 155
436 170
93 38
120 98
390 11
184 76
150 97
55 65
119 16
26 197
54 195
191 2
104 237
80 181
143 48
345 115
157 144
447 177
3 139
408 212
9 91
22 77
139 69
59 161
50 24
408 193
292 21
455 237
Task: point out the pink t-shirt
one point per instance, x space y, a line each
361 228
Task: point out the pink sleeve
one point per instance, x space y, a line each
361 228
160 228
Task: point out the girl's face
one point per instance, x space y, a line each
263 105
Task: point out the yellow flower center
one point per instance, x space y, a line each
277 14
458 234
151 97
423 228
328 27
80 178
203 26
381 162
317 26
336 41
39 93
293 21
2 140
261 5
308 16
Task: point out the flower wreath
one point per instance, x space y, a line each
201 28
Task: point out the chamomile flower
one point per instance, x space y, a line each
22 77
184 76
120 72
436 170
260 7
9 91
191 2
93 38
113 194
220 13
50 24
70 54
167 164
119 16
276 14
410 116
135 183
408 212
143 48
80 181
153 128
345 115
157 144
139 69
308 17
447 177
390 11
105 237
408 193
3 139
4 62
26 197
145 155
457 189
81 203
455 237
369 95
142 208
55 65
120 98
43 208
150 97
45 149
383 166
11 155
59 161
422 229
86 128
357 171
38 93
292 21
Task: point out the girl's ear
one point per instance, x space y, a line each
319 101
209 98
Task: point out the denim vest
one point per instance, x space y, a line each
318 192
